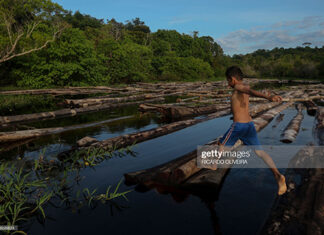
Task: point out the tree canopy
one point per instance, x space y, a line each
43 45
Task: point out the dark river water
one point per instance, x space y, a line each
243 203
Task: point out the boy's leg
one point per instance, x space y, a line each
281 180
227 141
252 139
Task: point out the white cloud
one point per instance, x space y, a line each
282 34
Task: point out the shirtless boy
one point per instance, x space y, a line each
243 127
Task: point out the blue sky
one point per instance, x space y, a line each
239 26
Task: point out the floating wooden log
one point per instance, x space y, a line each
4 120
214 95
164 173
319 127
61 91
179 100
317 97
129 139
178 112
311 107
14 136
300 210
291 131
103 100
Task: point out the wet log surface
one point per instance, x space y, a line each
291 131
311 107
319 127
301 209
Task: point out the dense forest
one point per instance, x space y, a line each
43 45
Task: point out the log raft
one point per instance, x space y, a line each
14 136
104 100
4 120
129 139
188 175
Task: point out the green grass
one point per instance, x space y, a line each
23 104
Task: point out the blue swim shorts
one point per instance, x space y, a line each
245 131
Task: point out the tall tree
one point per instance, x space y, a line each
27 26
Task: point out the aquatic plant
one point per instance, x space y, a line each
25 189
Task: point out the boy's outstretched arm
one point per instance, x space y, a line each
248 90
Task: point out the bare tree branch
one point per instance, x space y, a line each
10 54
21 25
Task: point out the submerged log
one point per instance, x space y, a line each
291 131
300 210
65 112
14 136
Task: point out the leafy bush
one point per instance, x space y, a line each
71 61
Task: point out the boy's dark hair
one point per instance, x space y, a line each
234 71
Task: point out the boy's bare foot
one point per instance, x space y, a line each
282 185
